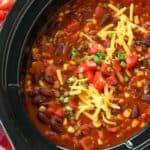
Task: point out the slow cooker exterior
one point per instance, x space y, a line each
20 29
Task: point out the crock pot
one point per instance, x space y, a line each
23 24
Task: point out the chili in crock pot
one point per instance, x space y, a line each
87 85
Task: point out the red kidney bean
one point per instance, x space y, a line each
43 118
47 92
48 79
144 42
146 98
135 112
37 100
105 19
59 49
56 124
147 88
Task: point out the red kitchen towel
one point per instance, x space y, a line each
5 142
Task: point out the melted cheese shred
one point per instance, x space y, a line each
94 105
122 34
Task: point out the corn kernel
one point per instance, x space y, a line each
65 122
100 142
126 95
135 123
41 83
42 108
139 84
50 62
65 67
35 50
72 62
127 113
142 125
71 129
94 21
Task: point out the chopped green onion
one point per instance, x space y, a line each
123 64
72 117
68 110
74 52
98 57
64 99
126 79
121 56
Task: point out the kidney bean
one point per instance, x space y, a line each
147 88
43 118
146 98
56 124
105 19
135 112
59 49
48 79
33 93
36 77
47 92
37 100
144 42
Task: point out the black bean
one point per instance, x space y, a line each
147 88
135 112
47 92
37 100
43 118
48 79
56 124
144 42
106 19
146 98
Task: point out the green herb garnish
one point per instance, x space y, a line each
69 112
74 52
121 56
126 79
123 64
98 57
64 99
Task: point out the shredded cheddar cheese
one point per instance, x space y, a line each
94 105
122 34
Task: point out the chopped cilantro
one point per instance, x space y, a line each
98 57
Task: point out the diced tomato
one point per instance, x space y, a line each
73 27
116 65
6 4
89 75
93 48
80 68
114 129
99 11
104 70
60 112
131 60
49 111
112 80
90 65
98 81
3 14
73 104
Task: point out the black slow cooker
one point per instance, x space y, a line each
23 24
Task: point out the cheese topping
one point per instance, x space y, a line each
93 104
122 34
